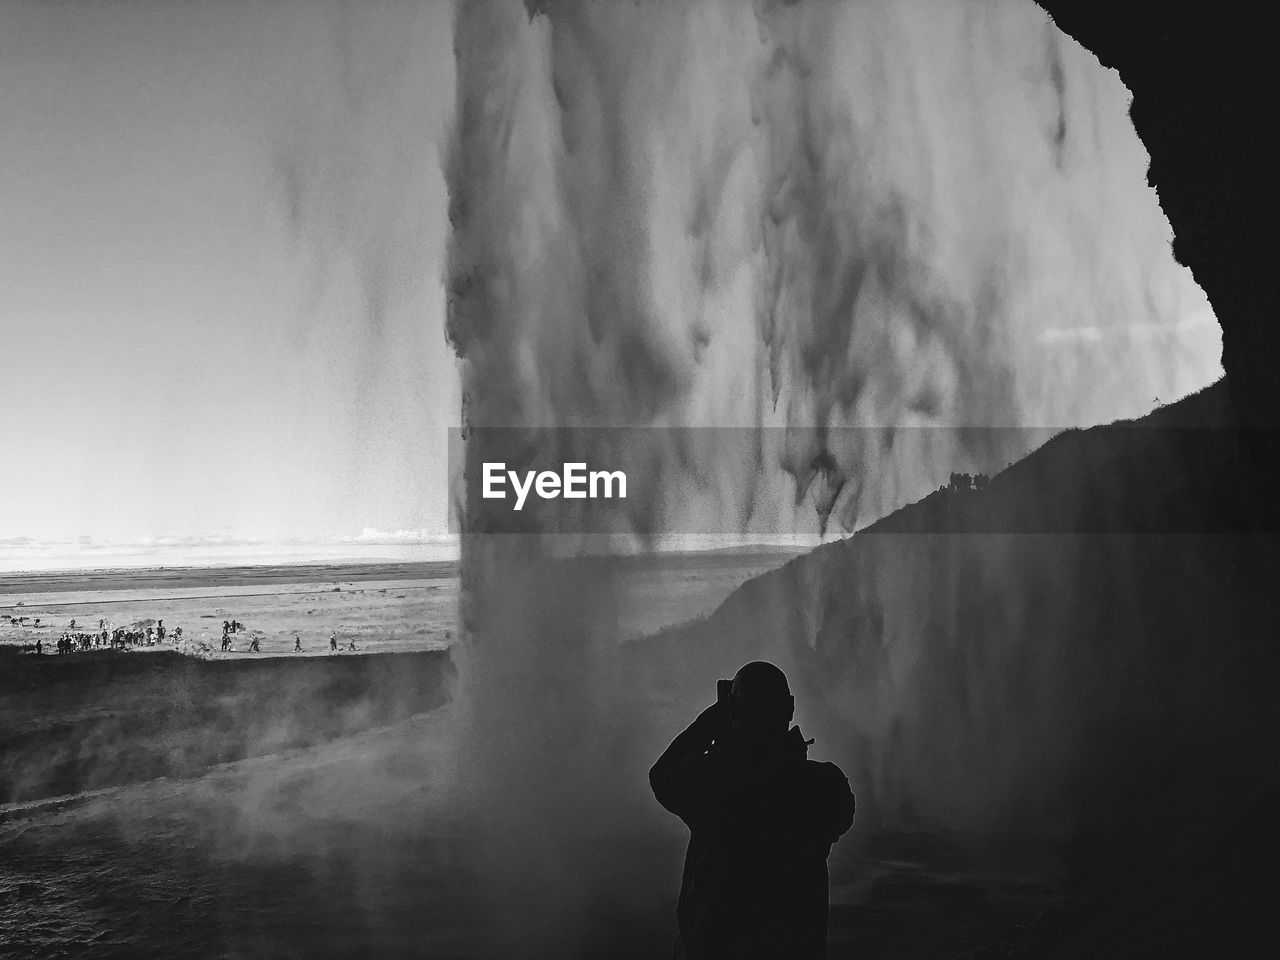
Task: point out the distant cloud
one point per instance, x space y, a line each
1196 323
373 535
192 541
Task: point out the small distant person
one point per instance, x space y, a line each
333 642
102 622
762 818
73 623
39 647
253 645
352 645
297 643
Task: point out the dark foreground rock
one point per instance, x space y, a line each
94 720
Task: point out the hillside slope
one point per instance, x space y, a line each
1083 651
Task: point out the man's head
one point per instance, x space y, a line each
761 702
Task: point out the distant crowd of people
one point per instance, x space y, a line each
111 638
144 634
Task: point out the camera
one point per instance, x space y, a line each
723 689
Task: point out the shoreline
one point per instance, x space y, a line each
383 608
151 578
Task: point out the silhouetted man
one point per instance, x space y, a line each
762 819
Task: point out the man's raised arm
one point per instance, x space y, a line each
675 777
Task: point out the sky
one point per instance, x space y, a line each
221 241
223 227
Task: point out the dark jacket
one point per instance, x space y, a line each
761 823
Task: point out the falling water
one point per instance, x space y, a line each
861 233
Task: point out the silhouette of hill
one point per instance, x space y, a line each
1176 470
